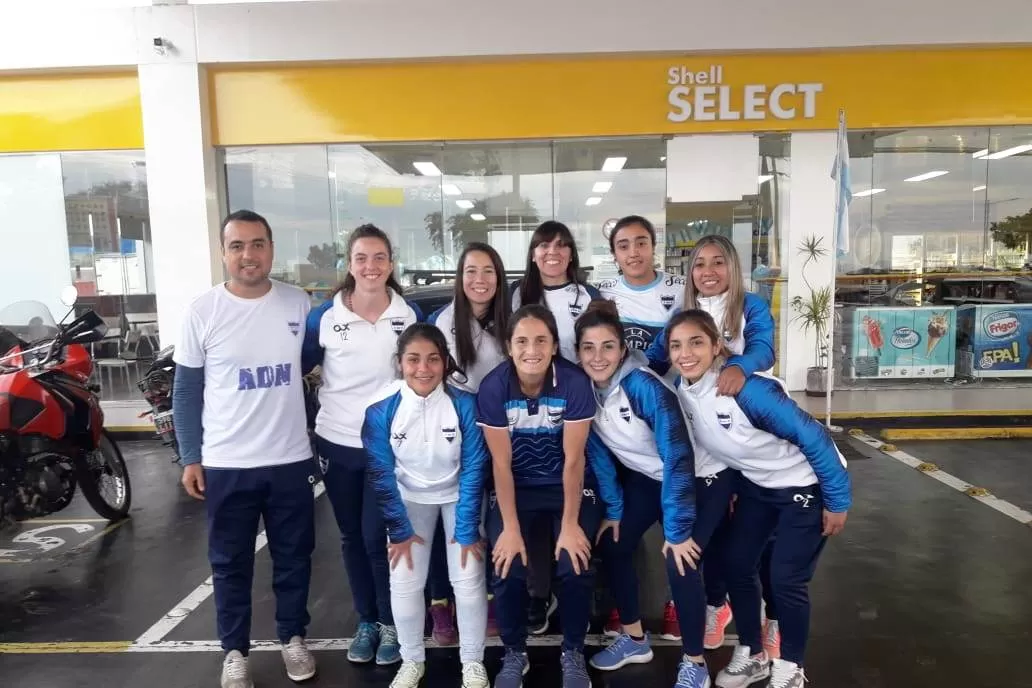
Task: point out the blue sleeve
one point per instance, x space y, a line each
473 463
491 402
580 397
657 405
432 319
770 409
311 351
187 405
376 438
603 465
416 309
657 353
758 354
593 292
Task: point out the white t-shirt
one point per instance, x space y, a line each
250 349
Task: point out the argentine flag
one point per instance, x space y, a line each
840 173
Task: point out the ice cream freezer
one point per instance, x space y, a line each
894 343
994 340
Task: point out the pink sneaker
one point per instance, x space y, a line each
445 632
613 626
772 638
717 620
492 620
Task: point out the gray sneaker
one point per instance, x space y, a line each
236 672
298 660
575 673
744 669
515 666
786 675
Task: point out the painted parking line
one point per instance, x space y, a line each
932 471
65 648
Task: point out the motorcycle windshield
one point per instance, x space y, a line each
29 321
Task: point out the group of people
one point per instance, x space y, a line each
511 439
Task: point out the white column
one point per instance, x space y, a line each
812 212
181 167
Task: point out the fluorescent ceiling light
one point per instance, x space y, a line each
427 168
764 178
477 216
927 175
980 154
464 204
979 188
1009 152
601 187
614 164
332 174
662 158
594 200
868 192
451 190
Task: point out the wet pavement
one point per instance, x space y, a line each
925 587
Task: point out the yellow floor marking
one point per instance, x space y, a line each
903 434
72 647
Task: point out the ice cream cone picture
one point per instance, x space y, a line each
872 329
937 328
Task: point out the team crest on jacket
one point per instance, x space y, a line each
724 419
294 327
555 417
667 300
575 310
449 434
625 413
398 325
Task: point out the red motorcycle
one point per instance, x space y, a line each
52 435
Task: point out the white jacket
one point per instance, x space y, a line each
489 351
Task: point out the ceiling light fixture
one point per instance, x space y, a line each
926 176
594 200
868 192
979 188
1009 152
614 164
427 168
601 187
464 204
451 190
477 216
764 178
980 154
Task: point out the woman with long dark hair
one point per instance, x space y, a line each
352 337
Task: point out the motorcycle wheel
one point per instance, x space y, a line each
107 462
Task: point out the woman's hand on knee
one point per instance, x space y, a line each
507 547
402 550
606 525
476 549
687 553
578 547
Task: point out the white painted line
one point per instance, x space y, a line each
178 614
933 471
337 644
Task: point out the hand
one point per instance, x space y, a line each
606 525
833 523
508 546
688 552
402 550
476 549
193 480
576 544
730 381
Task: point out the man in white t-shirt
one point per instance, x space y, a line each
239 416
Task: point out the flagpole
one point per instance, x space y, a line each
829 383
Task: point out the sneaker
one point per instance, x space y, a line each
540 611
692 675
389 651
717 620
671 626
236 672
623 651
363 646
474 675
786 674
515 666
613 627
409 675
575 674
298 660
492 621
445 632
744 669
772 638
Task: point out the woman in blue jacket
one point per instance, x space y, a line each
426 460
793 485
639 421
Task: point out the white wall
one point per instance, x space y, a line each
33 35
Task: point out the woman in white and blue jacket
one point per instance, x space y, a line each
427 459
639 424
793 485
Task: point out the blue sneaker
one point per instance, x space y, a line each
363 646
621 652
692 675
575 673
515 666
389 651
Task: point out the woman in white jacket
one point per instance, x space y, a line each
427 459
793 485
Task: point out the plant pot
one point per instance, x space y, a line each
816 382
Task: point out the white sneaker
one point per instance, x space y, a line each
298 660
409 674
474 675
236 672
785 674
745 669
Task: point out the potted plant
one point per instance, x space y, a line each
813 312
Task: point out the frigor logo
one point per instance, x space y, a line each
804 499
